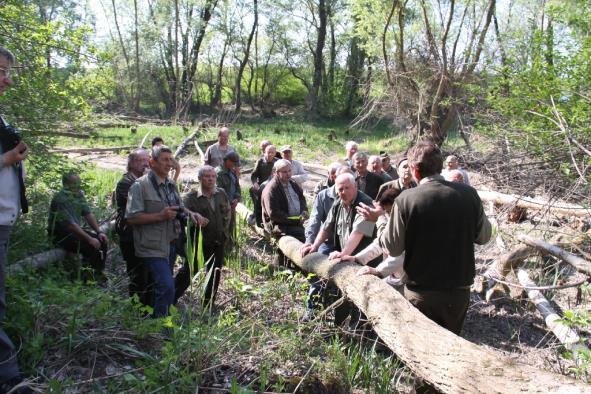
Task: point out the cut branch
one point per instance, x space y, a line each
527 202
579 263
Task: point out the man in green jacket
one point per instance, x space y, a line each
228 180
212 203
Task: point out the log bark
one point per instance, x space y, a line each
530 203
200 152
50 256
565 334
579 263
446 361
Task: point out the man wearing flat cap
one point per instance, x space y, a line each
227 179
298 173
387 166
404 180
284 204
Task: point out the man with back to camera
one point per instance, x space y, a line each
153 208
447 216
12 201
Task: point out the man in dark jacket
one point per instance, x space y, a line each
448 218
284 204
367 182
402 182
228 180
261 173
137 164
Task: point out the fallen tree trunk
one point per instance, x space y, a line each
199 151
184 144
50 256
527 202
93 150
565 334
580 264
446 361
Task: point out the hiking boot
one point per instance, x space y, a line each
15 385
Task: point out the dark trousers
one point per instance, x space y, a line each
317 284
140 281
161 270
255 196
445 307
213 253
298 232
8 362
94 257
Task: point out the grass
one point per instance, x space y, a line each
79 337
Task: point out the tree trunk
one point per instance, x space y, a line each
138 85
244 61
314 92
446 361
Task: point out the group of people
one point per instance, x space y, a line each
417 230
402 218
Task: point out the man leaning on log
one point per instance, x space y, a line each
436 224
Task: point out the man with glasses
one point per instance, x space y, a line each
12 201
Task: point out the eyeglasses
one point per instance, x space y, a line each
4 72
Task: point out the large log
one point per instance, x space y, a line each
448 362
50 256
579 263
527 202
93 150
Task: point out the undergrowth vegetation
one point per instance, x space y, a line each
81 337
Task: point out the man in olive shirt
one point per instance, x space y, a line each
213 204
448 218
137 164
214 155
64 226
153 208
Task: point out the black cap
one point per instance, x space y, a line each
233 156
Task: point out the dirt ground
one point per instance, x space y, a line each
509 324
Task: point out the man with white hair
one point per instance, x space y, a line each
284 204
212 203
351 148
375 166
298 172
349 232
452 163
138 162
214 155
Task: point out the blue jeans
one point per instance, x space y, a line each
161 270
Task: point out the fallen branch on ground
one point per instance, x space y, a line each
580 264
93 150
527 202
